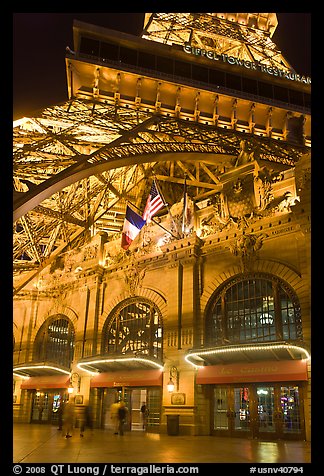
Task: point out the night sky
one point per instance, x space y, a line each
40 39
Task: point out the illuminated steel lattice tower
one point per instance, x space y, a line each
246 36
209 93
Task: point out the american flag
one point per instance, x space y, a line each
153 204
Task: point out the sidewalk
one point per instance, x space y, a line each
34 443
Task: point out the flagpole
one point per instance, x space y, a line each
184 204
153 220
166 204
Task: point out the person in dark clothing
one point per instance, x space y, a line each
145 413
68 418
60 415
86 421
122 415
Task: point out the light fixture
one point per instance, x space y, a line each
84 365
174 374
170 386
199 355
33 367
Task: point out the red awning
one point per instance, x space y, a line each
46 381
267 371
128 378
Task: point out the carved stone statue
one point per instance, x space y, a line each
246 246
133 278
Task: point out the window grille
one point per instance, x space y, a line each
253 309
55 342
134 328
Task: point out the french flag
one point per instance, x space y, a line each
132 226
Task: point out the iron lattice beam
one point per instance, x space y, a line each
75 166
211 32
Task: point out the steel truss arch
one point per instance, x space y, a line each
76 164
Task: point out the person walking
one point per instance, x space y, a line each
145 413
122 415
114 417
60 412
86 421
68 418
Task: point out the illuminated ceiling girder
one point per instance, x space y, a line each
69 179
114 157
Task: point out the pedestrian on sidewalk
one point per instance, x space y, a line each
68 418
145 413
60 415
122 415
114 417
86 420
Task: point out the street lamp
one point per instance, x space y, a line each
174 374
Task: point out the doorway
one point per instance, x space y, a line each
265 411
134 398
46 406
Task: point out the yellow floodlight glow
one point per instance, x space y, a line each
81 366
247 348
24 377
20 122
90 372
34 367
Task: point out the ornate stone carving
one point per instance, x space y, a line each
246 246
133 279
245 155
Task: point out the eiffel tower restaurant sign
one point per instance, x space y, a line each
211 55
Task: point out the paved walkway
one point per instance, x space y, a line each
34 443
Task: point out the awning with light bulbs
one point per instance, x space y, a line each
258 352
118 362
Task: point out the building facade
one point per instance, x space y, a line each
213 293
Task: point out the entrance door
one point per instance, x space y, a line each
268 411
292 415
232 411
240 413
41 408
134 399
46 406
266 416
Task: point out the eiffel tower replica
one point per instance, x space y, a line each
199 98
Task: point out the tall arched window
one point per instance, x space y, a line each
253 308
135 326
55 341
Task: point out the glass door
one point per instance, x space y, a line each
265 423
267 411
154 400
138 398
109 397
231 411
292 416
220 415
241 410
42 407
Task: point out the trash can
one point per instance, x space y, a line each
173 425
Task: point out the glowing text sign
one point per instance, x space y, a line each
211 55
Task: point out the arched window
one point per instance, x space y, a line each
253 308
135 326
55 341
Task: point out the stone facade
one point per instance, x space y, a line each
108 322
179 277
